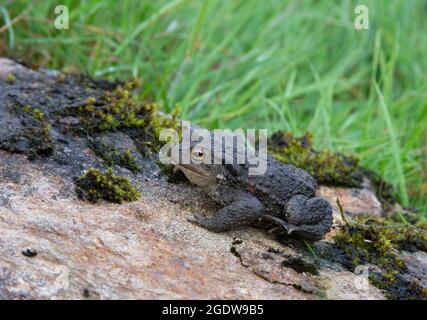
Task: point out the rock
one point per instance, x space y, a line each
144 249
55 246
417 266
344 285
354 201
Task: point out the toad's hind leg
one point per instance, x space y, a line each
240 213
309 218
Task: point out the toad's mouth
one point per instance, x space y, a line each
197 176
194 170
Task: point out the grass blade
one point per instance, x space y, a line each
395 147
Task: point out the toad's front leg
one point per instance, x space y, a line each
244 211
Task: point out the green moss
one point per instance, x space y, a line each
90 101
128 161
368 242
35 112
396 287
38 114
326 167
95 185
37 132
112 156
10 78
118 109
378 241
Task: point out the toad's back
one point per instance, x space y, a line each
280 183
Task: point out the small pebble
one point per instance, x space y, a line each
30 253
237 241
86 293
266 256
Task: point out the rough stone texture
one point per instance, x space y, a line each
417 265
354 201
143 249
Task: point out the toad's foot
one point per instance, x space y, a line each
309 232
289 228
309 218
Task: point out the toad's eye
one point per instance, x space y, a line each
197 154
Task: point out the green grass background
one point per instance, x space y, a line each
276 64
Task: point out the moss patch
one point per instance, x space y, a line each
10 78
119 110
397 287
95 185
36 132
113 156
378 241
127 160
326 167
26 129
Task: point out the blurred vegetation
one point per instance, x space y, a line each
283 65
